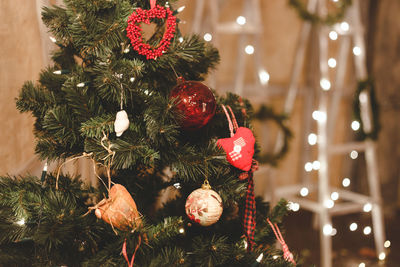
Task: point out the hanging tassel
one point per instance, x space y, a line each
288 256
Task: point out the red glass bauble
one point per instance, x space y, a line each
196 102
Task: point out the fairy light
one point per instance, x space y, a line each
325 84
362 264
260 257
249 49
367 230
346 182
21 222
332 62
333 35
334 232
180 9
328 203
344 26
57 72
316 165
126 51
264 76
335 196
367 207
80 85
312 139
319 116
181 230
275 257
53 39
353 154
356 50
177 185
387 244
308 166
132 79
382 256
245 244
241 20
327 229
355 125
207 37
304 191
353 226
293 206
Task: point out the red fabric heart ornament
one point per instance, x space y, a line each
239 148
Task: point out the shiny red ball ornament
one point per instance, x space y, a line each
196 102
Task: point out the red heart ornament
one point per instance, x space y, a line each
239 148
134 31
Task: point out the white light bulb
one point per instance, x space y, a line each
21 222
387 244
180 39
249 49
356 51
132 79
327 229
80 85
334 232
308 166
304 191
333 35
353 226
181 230
325 84
53 39
355 125
362 264
264 77
316 165
293 206
259 258
180 9
241 20
344 26
245 244
346 182
367 207
207 37
275 257
353 154
126 51
312 139
57 72
319 116
367 230
332 62
335 196
382 256
177 185
328 203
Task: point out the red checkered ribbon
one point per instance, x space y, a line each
286 252
249 220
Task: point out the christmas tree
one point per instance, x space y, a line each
136 108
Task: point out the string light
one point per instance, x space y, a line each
329 203
362 264
344 26
181 230
80 85
241 20
327 229
264 77
304 191
275 257
260 257
180 9
333 35
177 185
332 62
207 37
355 125
21 222
367 207
325 84
334 232
387 244
126 51
53 39
312 139
245 244
356 51
382 256
316 165
319 116
308 166
249 49
353 154
335 196
132 79
180 39
293 206
346 182
353 226
367 230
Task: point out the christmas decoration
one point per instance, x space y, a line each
286 252
121 123
196 102
239 147
119 209
204 206
134 30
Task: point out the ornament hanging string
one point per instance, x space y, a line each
84 155
286 252
249 220
130 263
